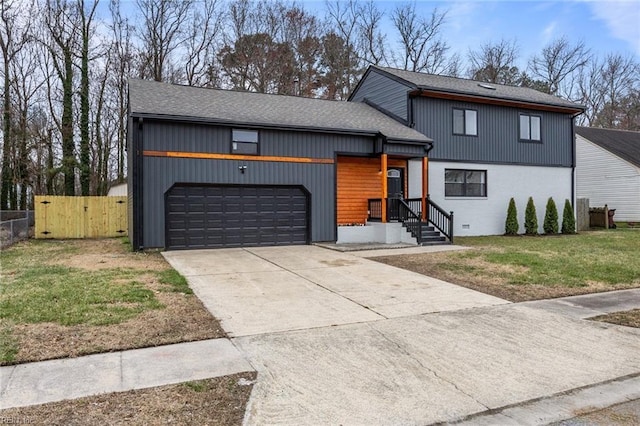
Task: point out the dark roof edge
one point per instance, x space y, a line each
613 150
191 119
385 112
374 68
579 108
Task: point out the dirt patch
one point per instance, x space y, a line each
219 401
109 253
626 318
182 319
487 277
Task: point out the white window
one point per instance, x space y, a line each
465 122
530 127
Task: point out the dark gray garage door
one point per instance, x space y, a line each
235 216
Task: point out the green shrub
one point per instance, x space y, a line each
568 219
511 225
530 218
550 225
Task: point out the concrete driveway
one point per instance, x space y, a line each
272 289
338 339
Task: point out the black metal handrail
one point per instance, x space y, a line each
442 220
375 209
410 212
410 219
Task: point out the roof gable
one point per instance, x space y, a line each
622 143
258 109
474 88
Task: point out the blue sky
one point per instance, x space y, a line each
604 26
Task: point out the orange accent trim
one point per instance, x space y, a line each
211 156
383 167
425 186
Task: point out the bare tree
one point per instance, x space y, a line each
121 64
203 29
161 32
424 50
558 61
495 63
61 23
372 43
341 62
86 28
13 38
620 78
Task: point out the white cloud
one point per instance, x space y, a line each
549 32
622 18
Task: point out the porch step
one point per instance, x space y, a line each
431 236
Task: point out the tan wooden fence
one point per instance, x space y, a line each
80 217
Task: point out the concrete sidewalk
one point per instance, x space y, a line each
437 367
69 378
591 305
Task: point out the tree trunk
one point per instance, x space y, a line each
68 157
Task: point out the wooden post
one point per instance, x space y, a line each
383 169
425 186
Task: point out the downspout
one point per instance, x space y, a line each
573 160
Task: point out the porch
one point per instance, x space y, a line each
373 204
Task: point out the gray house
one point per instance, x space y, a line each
215 168
491 142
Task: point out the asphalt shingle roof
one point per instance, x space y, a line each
475 88
225 106
622 143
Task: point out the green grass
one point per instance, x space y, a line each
8 343
610 257
35 292
174 282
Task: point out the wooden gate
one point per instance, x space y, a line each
80 217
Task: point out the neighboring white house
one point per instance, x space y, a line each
608 170
118 190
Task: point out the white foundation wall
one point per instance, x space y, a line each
487 215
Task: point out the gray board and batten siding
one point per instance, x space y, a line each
498 139
384 92
161 173
180 135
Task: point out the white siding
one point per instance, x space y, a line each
487 215
118 190
604 178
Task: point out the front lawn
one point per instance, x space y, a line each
77 297
530 268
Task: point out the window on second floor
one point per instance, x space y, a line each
530 127
244 141
465 183
465 122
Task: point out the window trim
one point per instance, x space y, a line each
486 184
234 141
529 117
464 122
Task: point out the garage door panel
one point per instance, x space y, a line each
235 216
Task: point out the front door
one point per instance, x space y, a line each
395 192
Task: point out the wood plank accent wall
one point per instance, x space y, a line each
80 217
358 179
